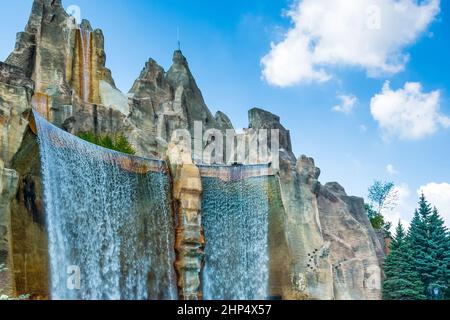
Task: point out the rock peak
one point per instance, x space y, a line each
178 58
86 25
223 122
336 188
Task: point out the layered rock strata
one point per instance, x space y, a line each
189 236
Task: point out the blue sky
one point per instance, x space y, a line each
224 42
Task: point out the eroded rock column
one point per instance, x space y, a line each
8 187
189 236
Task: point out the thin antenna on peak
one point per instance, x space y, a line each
178 39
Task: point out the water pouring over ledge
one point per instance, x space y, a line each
235 215
108 218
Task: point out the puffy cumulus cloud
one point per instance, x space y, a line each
408 113
370 34
391 170
438 194
348 103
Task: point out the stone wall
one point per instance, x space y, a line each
23 240
280 282
28 233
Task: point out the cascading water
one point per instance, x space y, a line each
235 220
108 216
85 64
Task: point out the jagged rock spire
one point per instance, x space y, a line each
223 121
150 81
86 25
180 76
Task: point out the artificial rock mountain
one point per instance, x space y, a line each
321 242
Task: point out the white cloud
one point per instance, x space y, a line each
404 211
408 113
370 34
438 194
363 128
391 170
348 103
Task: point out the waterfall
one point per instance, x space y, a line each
235 220
109 222
85 64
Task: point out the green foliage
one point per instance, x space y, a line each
419 261
123 145
382 196
376 219
377 222
402 281
429 238
117 142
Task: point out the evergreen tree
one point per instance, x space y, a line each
440 251
447 272
428 238
402 281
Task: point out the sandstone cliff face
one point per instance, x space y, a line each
321 242
333 251
8 186
23 243
309 267
28 234
15 98
354 246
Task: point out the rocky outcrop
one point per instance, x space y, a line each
189 236
261 119
321 242
334 251
28 234
8 185
354 246
310 266
18 236
280 275
193 105
162 102
15 98
42 51
155 108
223 122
